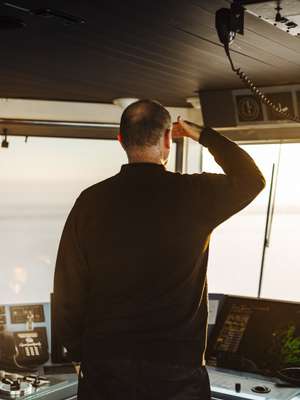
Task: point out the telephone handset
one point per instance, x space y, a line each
23 350
225 30
228 22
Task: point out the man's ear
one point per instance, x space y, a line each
120 137
168 138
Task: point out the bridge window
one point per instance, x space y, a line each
236 246
40 180
282 263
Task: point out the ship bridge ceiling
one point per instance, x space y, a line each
166 50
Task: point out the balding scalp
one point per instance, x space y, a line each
143 123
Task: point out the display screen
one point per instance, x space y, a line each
255 335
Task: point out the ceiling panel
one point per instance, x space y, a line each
165 50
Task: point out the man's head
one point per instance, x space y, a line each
145 131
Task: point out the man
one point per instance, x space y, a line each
130 281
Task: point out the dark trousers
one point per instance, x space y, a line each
142 380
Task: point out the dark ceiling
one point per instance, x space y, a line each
157 49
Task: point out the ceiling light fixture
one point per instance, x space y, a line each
124 102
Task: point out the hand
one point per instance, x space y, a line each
76 367
183 129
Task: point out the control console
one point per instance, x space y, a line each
228 385
34 386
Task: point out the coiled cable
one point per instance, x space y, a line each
257 92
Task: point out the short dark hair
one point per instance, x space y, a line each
143 123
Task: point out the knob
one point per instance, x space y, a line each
238 387
261 389
14 377
16 385
7 381
36 381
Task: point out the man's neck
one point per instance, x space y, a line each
144 160
145 157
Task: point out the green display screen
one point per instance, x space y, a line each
254 335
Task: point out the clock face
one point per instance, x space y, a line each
249 108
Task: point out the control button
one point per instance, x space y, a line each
15 386
238 387
261 389
36 382
7 381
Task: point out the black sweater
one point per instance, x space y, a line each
130 278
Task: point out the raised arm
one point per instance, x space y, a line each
230 192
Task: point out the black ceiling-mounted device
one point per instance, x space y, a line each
284 15
228 22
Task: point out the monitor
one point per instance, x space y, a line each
255 335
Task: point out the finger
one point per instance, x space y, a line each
177 134
178 125
188 129
183 124
178 130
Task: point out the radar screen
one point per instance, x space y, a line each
256 335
